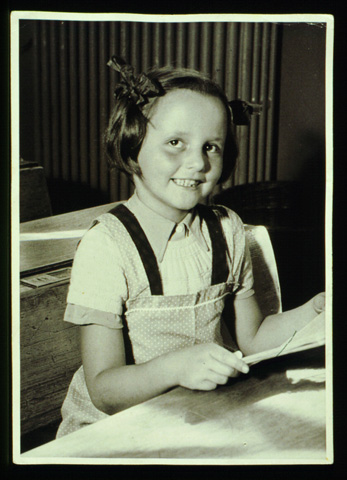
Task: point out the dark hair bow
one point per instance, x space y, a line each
242 111
138 88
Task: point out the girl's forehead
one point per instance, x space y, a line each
185 105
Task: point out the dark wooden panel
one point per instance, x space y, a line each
34 198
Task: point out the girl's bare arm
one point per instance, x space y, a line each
114 386
255 333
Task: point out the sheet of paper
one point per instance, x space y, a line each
48 278
311 336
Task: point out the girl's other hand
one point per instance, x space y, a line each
318 302
203 367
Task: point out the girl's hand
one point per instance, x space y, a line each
318 302
203 367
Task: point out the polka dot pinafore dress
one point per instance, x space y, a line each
158 323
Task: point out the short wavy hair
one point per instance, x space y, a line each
127 126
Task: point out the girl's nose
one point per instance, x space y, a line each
196 159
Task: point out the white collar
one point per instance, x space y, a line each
159 229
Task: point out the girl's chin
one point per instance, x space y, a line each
187 204
176 211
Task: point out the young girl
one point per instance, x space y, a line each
158 268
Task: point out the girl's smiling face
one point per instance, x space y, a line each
181 157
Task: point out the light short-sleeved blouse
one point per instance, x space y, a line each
99 286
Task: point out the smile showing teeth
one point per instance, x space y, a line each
186 183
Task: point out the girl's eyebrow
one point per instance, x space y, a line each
175 133
216 139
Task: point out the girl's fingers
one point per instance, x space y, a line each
235 373
217 378
230 359
207 385
222 368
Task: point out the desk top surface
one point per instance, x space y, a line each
39 253
275 414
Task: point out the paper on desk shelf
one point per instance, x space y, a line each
35 236
311 336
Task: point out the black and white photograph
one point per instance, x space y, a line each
198 329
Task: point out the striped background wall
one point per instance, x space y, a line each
73 89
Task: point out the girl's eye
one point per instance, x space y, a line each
175 143
211 148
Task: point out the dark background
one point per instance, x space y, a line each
298 104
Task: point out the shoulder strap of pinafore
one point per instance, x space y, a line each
143 246
220 269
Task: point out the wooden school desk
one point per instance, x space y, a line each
49 347
274 414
